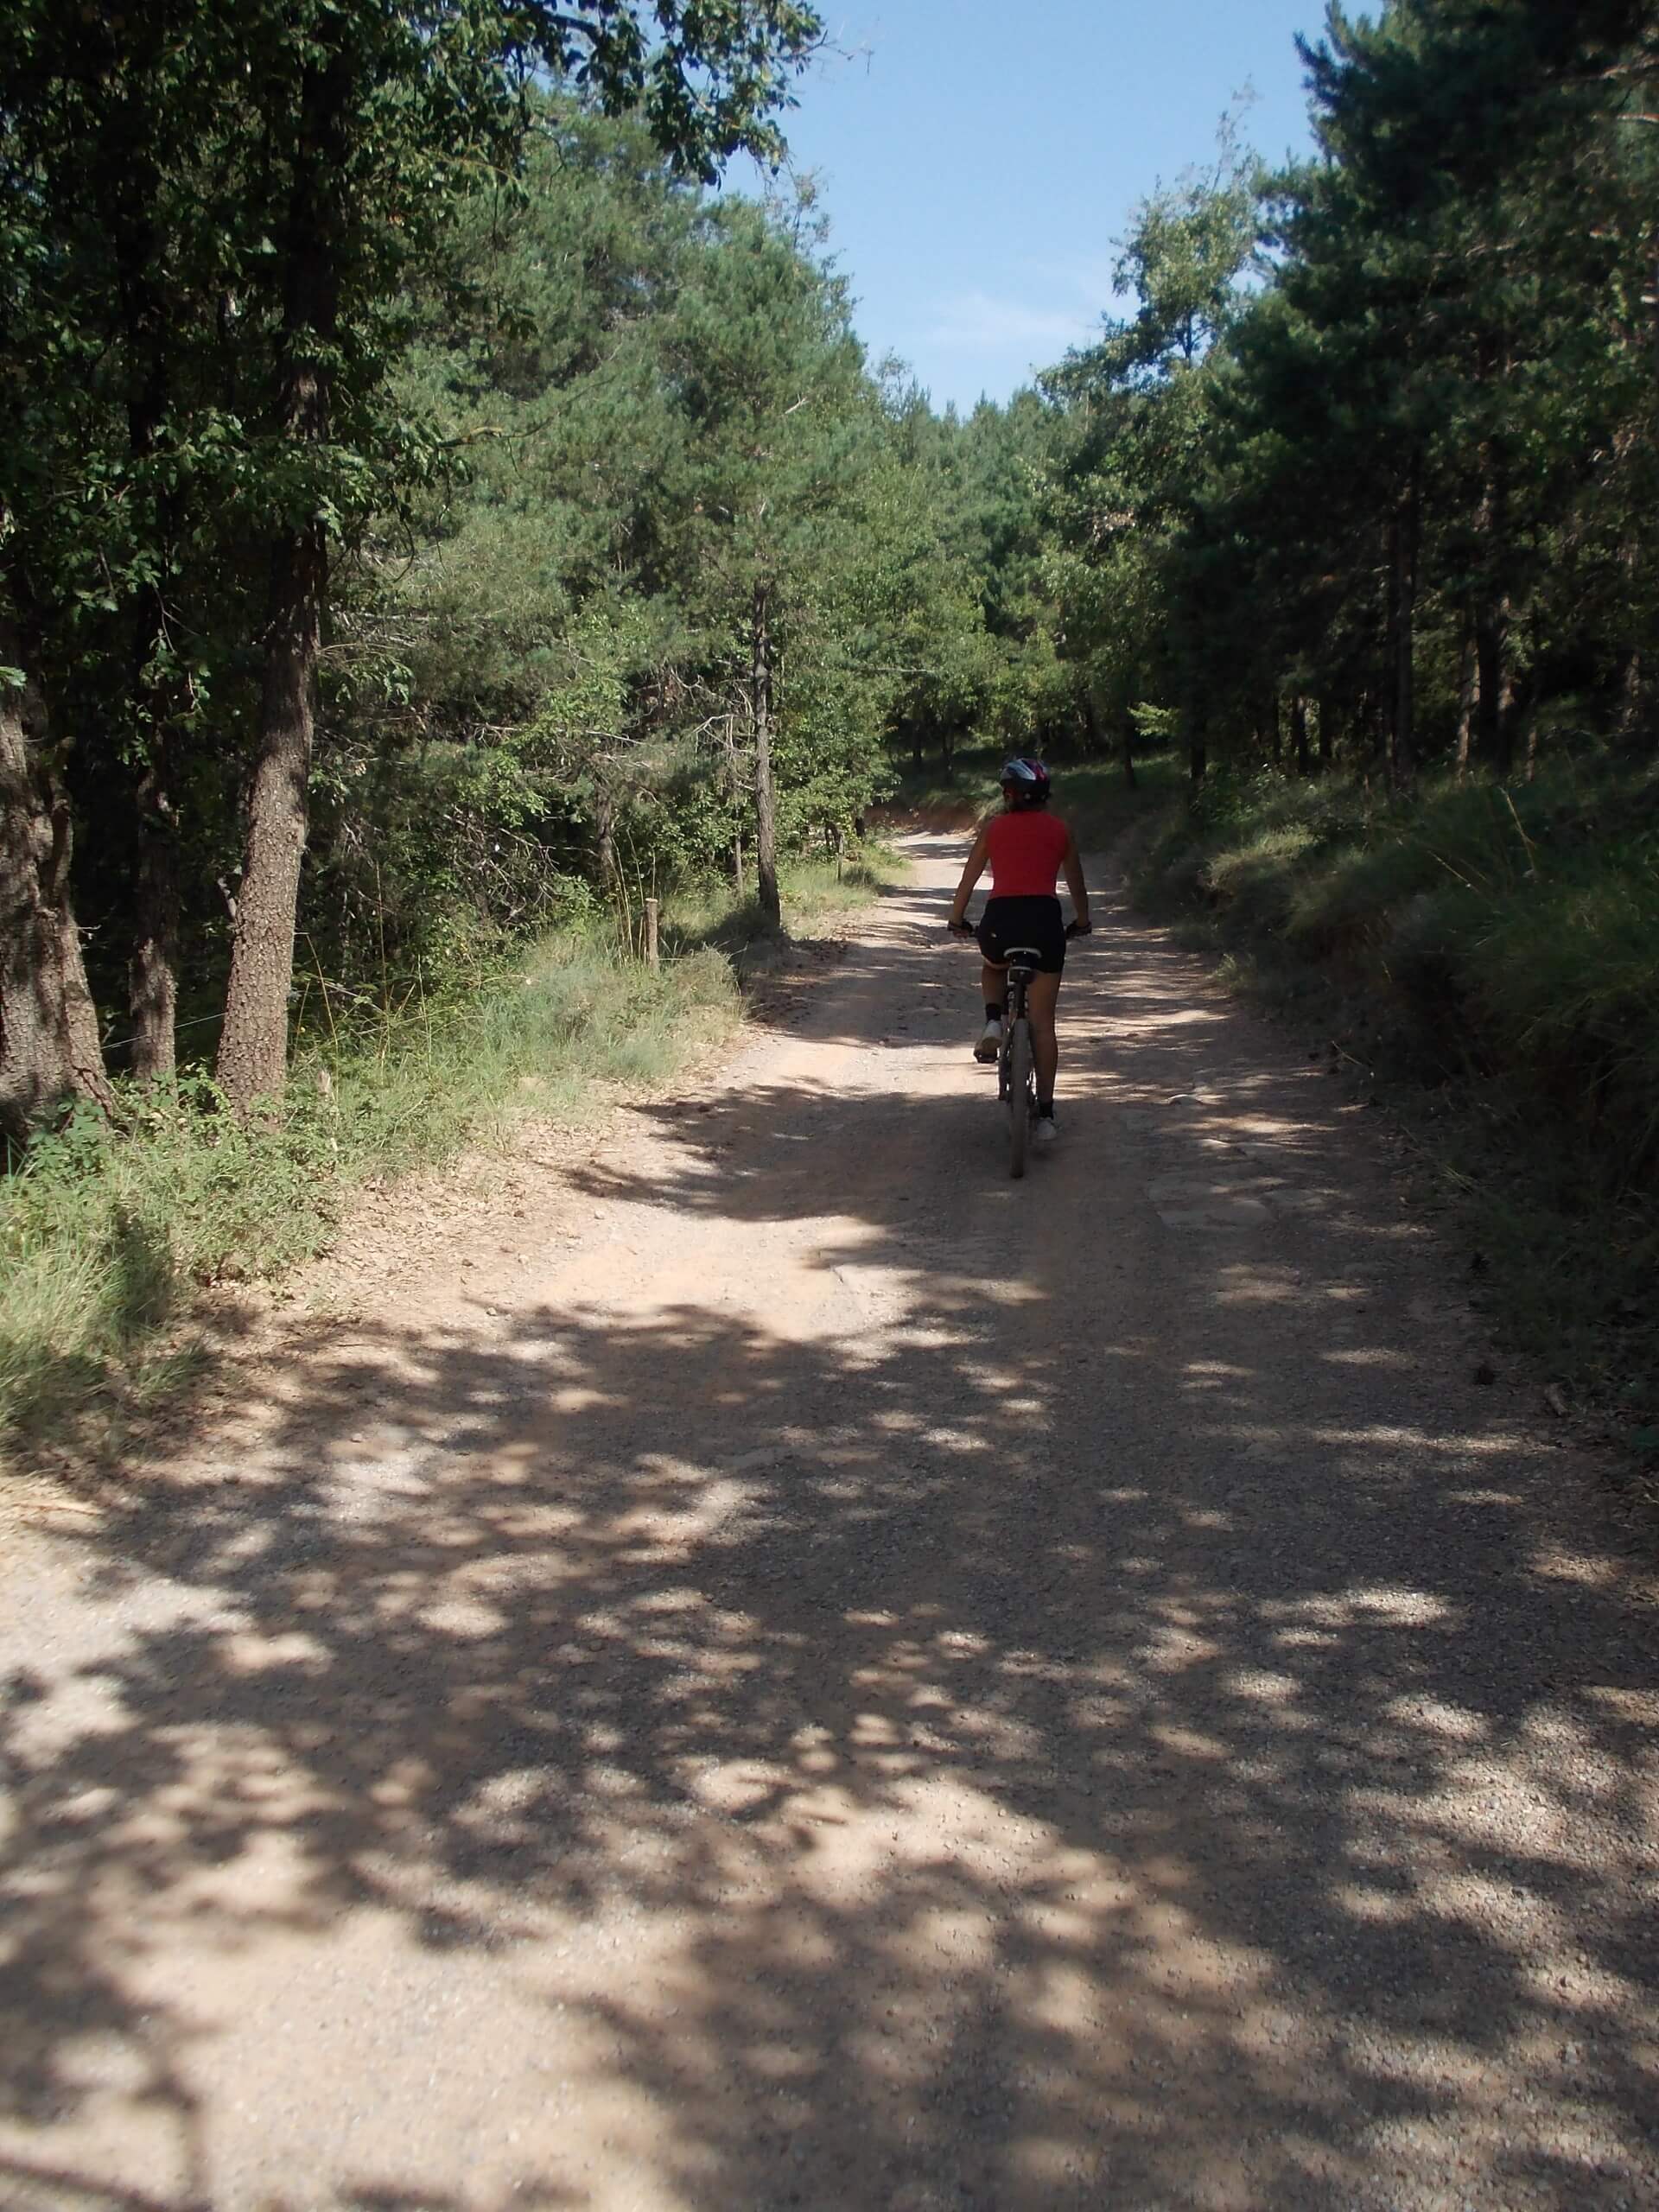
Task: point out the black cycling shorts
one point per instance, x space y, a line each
1034 922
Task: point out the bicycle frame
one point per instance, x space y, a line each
1016 1080
1016 1074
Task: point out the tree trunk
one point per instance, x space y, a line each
736 790
1494 735
1324 712
1468 688
1493 728
153 979
605 836
1126 752
1093 735
129 190
1298 731
1196 755
50 1050
1632 701
1628 728
1404 531
1512 714
253 1046
765 821
1387 689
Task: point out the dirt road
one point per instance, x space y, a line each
794 1671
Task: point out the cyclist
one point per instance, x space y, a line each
1027 848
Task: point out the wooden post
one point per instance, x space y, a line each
650 933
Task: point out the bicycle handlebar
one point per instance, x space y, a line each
966 929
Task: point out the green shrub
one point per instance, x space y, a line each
1564 974
1505 936
106 1231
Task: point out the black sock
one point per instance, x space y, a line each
1045 1109
993 1013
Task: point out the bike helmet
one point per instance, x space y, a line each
1027 779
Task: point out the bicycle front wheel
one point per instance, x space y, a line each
1020 1096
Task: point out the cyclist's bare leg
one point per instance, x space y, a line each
993 983
1040 994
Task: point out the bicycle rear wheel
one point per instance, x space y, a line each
1020 1095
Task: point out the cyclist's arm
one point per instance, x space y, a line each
970 876
1071 864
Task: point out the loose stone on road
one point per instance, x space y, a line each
806 1673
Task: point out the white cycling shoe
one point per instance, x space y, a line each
1044 1134
991 1043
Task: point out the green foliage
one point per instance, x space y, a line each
654 408
106 1233
1355 493
225 228
109 1233
579 413
1501 938
1137 412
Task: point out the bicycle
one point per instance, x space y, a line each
1016 1073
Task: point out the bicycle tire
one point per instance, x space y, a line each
1019 1096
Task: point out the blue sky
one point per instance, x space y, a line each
978 158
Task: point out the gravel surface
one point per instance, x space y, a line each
774 1667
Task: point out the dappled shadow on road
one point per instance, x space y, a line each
666 1756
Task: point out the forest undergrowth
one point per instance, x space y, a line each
1092 795
114 1230
1481 958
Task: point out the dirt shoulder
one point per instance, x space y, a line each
755 1661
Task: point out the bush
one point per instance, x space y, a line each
1505 936
106 1231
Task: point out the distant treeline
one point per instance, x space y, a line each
1370 473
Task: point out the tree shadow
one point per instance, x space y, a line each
905 1758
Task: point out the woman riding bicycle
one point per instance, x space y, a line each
1027 848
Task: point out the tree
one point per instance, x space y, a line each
107 410
374 119
49 1032
766 378
1138 407
1409 486
213 218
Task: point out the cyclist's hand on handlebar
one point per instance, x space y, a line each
1079 929
960 928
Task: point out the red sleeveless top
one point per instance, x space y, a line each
1026 850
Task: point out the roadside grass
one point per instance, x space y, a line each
1487 955
944 795
1102 808
816 897
110 1234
